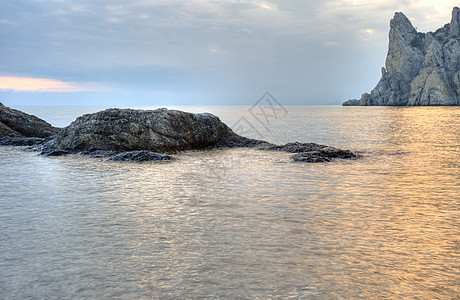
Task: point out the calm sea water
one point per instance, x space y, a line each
243 224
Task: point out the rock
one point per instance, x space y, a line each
351 102
39 147
420 69
122 130
297 147
141 135
454 29
18 141
305 152
15 123
140 156
54 152
324 154
311 157
237 141
5 131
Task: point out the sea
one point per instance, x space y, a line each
242 223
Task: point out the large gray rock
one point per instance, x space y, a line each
420 69
160 130
20 129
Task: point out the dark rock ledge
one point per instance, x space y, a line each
145 135
303 152
139 156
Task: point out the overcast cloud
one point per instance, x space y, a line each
172 52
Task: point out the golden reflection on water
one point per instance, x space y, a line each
418 217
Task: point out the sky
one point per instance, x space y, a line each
197 52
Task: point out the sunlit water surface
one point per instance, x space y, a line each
242 223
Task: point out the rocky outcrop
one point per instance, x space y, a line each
420 68
20 129
142 135
138 135
122 130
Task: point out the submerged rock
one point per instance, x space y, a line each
420 68
140 156
305 152
17 124
324 154
237 141
54 152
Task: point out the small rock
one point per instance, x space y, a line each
140 156
298 147
312 157
54 152
325 154
351 102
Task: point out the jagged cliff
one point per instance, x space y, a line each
420 68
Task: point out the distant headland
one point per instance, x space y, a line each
421 69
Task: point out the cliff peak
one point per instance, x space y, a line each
401 20
455 22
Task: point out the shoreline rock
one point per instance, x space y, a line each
15 124
421 69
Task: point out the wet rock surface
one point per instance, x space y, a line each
305 152
324 154
140 156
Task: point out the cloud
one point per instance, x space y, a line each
266 5
208 47
427 15
27 84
